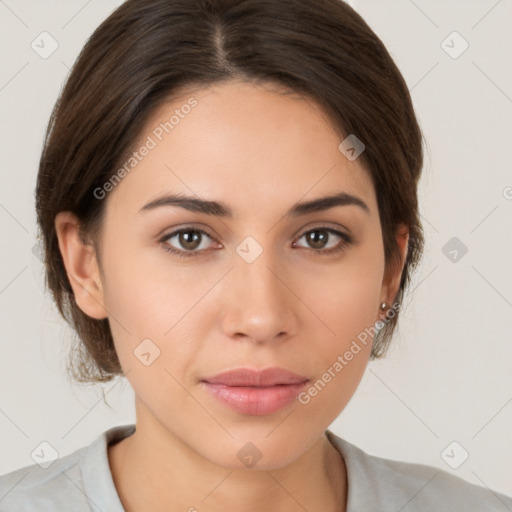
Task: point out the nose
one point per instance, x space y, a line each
257 303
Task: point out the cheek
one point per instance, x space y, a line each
346 295
150 295
341 355
351 306
346 300
156 310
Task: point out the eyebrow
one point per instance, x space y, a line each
220 209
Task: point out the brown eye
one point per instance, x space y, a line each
186 242
317 238
325 240
189 240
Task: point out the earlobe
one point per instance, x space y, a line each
81 266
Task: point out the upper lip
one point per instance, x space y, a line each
259 378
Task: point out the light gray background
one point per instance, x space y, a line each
447 377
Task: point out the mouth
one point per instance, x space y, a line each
253 392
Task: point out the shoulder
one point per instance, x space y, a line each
377 483
80 481
55 487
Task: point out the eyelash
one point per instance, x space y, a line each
189 254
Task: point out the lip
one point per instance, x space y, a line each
255 392
260 378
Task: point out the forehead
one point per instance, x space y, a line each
249 146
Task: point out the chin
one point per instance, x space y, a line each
261 453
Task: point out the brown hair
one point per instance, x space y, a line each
147 50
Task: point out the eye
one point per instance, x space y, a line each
189 241
325 240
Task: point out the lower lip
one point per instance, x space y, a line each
253 400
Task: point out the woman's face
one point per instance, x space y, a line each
271 285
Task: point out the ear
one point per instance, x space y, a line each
81 266
391 282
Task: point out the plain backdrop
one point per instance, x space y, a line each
447 377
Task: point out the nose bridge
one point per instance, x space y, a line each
259 277
258 303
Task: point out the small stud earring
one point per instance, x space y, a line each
384 306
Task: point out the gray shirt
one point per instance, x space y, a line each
82 482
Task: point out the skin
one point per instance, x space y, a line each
259 152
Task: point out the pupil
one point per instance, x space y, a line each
190 242
317 239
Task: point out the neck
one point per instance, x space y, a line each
154 470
